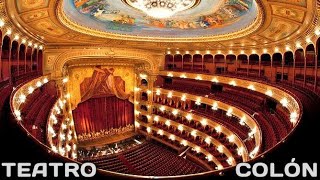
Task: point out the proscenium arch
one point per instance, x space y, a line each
140 56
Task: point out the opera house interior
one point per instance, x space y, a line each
162 89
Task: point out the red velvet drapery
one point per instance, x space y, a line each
97 114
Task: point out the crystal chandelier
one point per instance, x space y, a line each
161 9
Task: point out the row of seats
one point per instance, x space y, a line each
36 109
210 131
148 159
248 102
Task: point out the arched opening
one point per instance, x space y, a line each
144 96
28 59
5 53
144 82
208 58
197 63
14 58
299 56
277 59
231 59
34 60
254 59
187 62
186 58
219 58
318 51
243 59
288 59
299 65
265 60
310 55
197 58
168 61
40 61
22 59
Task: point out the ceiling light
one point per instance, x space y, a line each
161 8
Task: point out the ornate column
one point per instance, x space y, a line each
305 68
282 66
316 71
294 68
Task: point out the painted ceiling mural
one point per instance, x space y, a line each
207 18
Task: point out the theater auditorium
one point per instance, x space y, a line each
165 89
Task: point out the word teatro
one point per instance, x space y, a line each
42 169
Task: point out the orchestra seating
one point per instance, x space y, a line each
148 159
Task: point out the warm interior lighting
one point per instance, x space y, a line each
189 117
22 98
149 91
184 142
208 140
160 132
45 80
231 138
137 124
137 113
220 149
183 76
215 106
284 102
198 101
210 157
204 122
254 152
162 108
215 80
172 137
269 93
240 151
229 112
170 75
218 129
9 32
294 117
2 23
233 83
252 132
39 84
156 118
158 92
251 87
161 9
198 78
180 128
168 123
148 129
136 89
197 149
184 97
143 76
194 133
230 160
243 120
175 112
65 80
170 94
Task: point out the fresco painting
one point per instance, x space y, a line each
209 17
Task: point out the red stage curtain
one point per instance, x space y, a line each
97 114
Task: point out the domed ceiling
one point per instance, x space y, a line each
202 18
